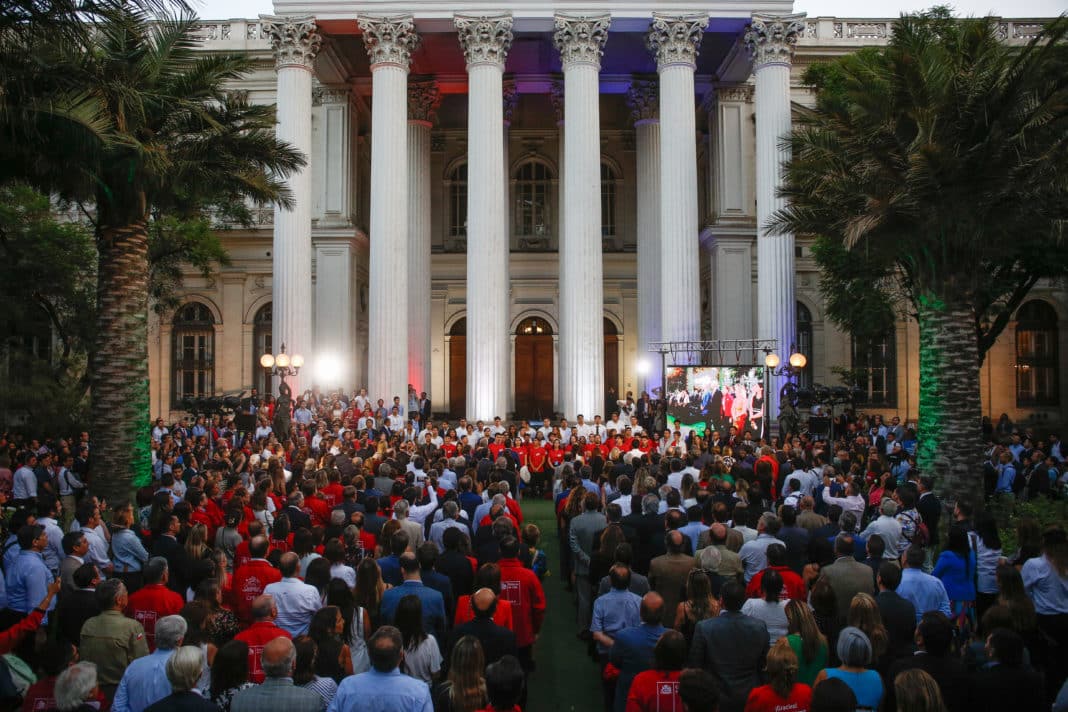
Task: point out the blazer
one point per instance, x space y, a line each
899 617
497 641
733 648
276 695
583 536
848 577
177 562
183 702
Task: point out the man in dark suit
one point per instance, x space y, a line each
497 641
929 507
298 518
934 636
78 604
424 407
639 528
733 647
168 547
899 615
454 564
427 555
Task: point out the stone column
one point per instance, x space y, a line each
485 41
770 40
296 41
423 101
509 101
644 103
580 41
390 42
674 40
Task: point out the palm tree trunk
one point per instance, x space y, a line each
119 364
950 439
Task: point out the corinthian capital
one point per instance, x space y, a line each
424 98
770 39
580 40
389 40
643 98
485 39
675 39
295 40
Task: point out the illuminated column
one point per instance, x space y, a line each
390 42
296 41
485 41
644 104
580 41
423 101
770 40
674 41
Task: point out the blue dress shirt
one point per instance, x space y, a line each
923 591
27 583
613 612
374 691
144 683
127 551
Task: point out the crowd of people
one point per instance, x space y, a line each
356 556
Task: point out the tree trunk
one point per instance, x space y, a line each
950 437
121 455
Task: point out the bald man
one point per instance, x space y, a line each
668 573
730 565
277 693
497 641
259 634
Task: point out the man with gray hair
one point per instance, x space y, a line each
754 554
277 693
145 680
75 686
414 530
888 527
184 669
450 519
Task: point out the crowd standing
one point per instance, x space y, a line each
342 554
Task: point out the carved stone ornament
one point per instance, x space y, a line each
676 39
556 98
424 98
580 40
740 93
485 39
389 40
509 98
770 39
643 98
329 95
295 40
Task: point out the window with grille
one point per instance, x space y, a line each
875 368
458 201
608 201
1036 355
804 344
194 353
261 344
533 191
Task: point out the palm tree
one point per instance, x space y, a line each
941 161
160 135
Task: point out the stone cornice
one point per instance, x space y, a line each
389 40
424 98
581 39
676 39
643 98
770 39
295 40
485 39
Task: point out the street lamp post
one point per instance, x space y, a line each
773 366
282 365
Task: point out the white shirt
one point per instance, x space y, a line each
396 422
545 431
419 513
297 602
24 483
345 573
565 435
68 482
263 431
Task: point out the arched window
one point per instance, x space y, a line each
457 182
534 326
1036 355
608 200
262 344
194 352
533 211
875 368
804 344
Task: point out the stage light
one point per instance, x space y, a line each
772 360
267 361
328 369
798 360
643 366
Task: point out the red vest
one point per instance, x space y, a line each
249 582
655 691
256 636
520 587
150 603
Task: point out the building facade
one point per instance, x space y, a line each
504 206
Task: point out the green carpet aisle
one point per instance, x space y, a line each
566 678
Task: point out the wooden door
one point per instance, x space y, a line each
458 369
611 362
533 376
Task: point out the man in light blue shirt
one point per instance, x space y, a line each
27 581
297 601
696 526
48 509
754 554
924 591
383 688
616 610
145 680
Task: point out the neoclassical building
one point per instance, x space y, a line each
506 204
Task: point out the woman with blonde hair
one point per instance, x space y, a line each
699 605
917 691
864 614
783 691
464 690
806 640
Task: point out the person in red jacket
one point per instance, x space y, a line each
250 580
262 631
658 688
793 588
243 554
520 587
154 600
314 505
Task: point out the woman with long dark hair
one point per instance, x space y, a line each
987 557
229 673
771 608
326 628
357 623
304 674
422 658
